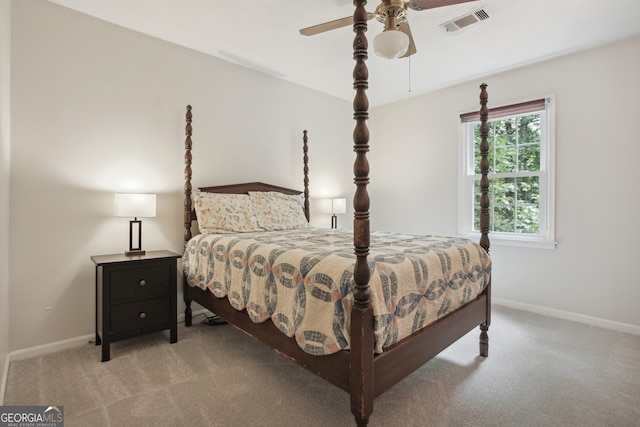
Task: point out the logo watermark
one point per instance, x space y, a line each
31 416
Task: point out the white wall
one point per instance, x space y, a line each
593 271
97 109
5 133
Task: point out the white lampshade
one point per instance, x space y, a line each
391 44
334 206
338 206
135 205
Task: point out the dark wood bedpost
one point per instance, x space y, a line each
484 207
305 150
484 169
362 312
187 177
187 207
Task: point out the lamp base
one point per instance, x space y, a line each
135 252
137 249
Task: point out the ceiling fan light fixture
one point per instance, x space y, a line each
391 44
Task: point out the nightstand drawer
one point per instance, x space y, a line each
140 315
140 281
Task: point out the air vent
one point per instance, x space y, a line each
465 21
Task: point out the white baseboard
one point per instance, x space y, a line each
52 347
40 350
567 315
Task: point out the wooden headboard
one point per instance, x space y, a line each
246 187
252 186
189 212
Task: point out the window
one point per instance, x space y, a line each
521 149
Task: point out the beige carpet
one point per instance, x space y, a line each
540 372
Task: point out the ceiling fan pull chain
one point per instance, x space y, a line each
409 74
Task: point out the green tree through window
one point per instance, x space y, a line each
514 154
520 146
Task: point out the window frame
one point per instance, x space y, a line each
545 238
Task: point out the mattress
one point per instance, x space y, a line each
302 280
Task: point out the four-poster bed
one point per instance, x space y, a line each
367 346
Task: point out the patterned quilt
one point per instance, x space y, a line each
302 280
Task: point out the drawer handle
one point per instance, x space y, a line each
143 282
143 315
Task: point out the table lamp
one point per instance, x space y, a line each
335 206
135 206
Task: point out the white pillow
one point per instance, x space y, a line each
278 211
224 213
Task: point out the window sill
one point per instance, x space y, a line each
506 240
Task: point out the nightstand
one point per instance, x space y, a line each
135 295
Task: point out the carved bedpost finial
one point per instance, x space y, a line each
484 169
305 150
187 177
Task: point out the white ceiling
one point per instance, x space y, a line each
263 35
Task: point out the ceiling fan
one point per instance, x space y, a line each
396 40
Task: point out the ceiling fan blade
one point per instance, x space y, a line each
328 26
432 4
404 27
